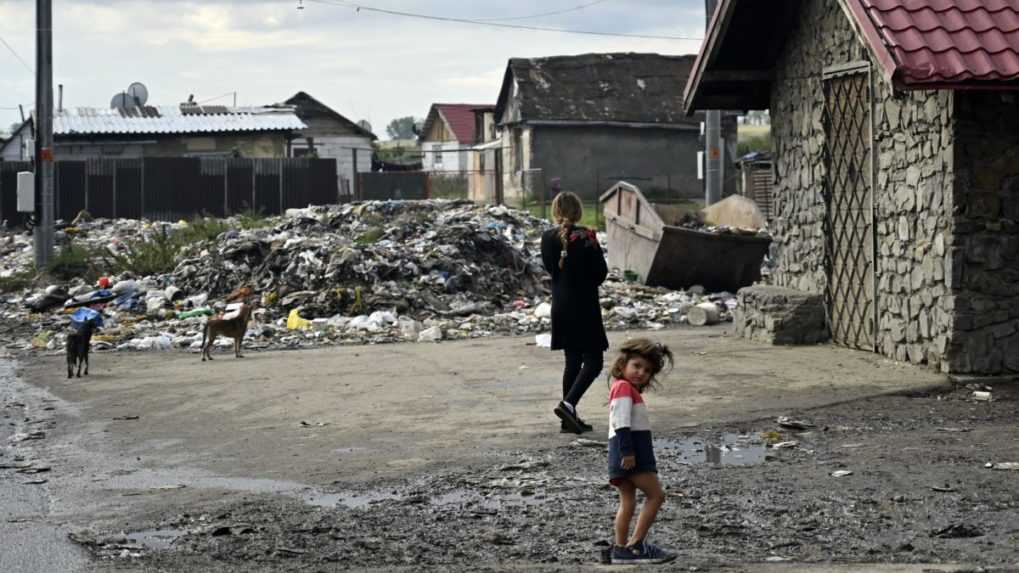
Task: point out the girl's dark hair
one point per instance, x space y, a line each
656 353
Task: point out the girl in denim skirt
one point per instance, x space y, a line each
632 463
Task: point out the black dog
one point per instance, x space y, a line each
79 339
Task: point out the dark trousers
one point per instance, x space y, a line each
581 370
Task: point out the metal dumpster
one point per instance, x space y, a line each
644 238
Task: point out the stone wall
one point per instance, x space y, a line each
985 252
913 188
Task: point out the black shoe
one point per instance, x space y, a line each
564 429
569 419
584 425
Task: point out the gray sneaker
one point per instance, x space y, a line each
641 552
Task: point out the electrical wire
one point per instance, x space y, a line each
543 14
359 7
217 97
17 55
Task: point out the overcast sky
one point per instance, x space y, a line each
364 65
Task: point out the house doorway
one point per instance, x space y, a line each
850 249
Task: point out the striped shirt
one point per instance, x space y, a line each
627 409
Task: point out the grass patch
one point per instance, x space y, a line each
17 281
370 237
202 229
154 255
74 261
592 217
253 219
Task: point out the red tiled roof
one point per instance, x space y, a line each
460 118
943 43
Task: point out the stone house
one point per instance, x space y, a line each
595 119
896 151
330 135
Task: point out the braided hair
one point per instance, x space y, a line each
566 212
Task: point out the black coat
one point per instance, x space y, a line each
576 312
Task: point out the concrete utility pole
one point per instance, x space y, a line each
712 138
43 233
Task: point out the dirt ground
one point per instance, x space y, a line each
447 457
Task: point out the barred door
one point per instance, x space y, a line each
850 254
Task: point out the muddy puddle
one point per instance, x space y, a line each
725 450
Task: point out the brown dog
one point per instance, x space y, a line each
234 327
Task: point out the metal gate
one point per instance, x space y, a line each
850 250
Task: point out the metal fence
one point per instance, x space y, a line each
174 188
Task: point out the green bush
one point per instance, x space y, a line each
202 229
74 261
17 281
154 255
253 219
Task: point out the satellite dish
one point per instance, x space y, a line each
121 101
139 93
363 124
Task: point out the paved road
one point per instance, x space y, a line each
33 540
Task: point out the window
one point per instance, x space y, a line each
518 149
437 155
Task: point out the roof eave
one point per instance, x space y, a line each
708 52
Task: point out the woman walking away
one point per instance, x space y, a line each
574 258
632 463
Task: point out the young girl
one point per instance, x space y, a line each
574 258
631 455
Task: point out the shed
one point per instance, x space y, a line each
896 158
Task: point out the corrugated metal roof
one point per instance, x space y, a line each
944 42
152 120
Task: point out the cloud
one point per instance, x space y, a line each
366 66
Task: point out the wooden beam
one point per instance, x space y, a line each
736 76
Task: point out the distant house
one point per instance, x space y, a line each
594 119
185 130
330 135
19 146
449 131
483 160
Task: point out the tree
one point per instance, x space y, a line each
403 127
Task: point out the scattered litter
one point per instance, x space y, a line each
360 273
543 340
785 445
127 418
588 443
955 429
943 488
841 473
981 396
168 487
36 482
1004 466
313 424
787 422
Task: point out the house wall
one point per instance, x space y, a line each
913 188
985 247
14 148
269 145
454 156
589 160
334 140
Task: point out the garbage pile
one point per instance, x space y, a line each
371 272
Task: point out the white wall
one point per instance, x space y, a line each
340 148
453 159
14 149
